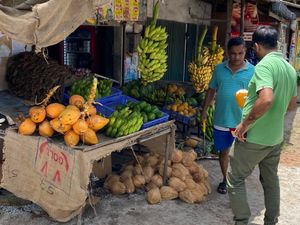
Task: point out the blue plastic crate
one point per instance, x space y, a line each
113 92
151 123
104 110
189 120
113 101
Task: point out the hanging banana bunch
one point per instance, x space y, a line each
216 51
199 70
152 51
206 59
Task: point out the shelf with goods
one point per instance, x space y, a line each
78 48
131 40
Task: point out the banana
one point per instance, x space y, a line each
153 32
152 51
202 68
147 32
139 50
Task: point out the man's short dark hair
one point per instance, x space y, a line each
266 36
236 41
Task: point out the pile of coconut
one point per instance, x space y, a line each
187 180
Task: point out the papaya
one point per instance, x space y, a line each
69 115
27 127
53 110
89 137
37 113
59 127
45 129
76 100
97 122
80 127
71 138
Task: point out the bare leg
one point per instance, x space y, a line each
223 160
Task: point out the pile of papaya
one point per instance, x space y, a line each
77 121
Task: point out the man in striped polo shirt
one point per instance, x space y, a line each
228 77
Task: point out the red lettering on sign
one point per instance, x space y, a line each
44 169
54 164
58 157
43 147
56 178
66 160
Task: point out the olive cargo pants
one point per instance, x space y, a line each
243 158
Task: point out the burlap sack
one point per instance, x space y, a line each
47 23
54 178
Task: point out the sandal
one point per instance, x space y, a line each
222 189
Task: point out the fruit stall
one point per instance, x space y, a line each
57 167
61 129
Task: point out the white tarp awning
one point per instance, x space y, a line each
46 23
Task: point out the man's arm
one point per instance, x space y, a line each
293 104
261 106
210 94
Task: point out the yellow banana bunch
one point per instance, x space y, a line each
207 58
200 76
216 57
152 51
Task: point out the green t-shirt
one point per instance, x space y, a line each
273 71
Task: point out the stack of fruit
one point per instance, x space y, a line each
78 120
123 122
183 108
209 122
175 93
148 111
145 92
192 101
152 51
187 180
82 87
173 89
207 58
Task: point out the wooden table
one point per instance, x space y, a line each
22 158
12 106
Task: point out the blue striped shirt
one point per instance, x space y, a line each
227 112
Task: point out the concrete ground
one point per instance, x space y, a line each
134 210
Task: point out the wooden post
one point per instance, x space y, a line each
167 146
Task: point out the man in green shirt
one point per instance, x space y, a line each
271 92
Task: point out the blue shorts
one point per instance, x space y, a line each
222 139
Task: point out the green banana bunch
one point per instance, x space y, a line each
124 122
152 51
82 87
